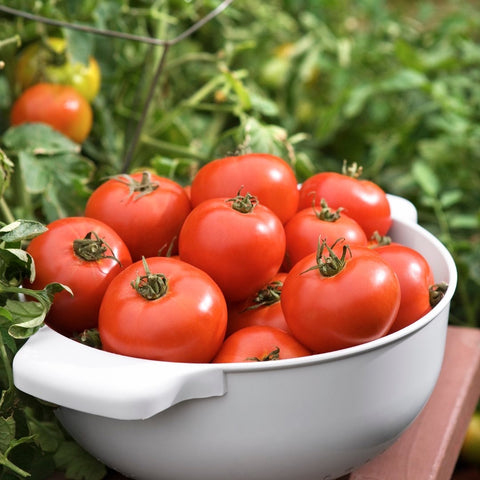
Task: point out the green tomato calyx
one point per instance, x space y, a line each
243 203
329 264
138 189
92 248
437 292
354 170
273 355
266 296
327 214
150 286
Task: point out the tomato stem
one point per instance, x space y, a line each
243 203
380 240
266 296
354 170
273 355
150 286
437 292
331 264
93 249
326 213
138 188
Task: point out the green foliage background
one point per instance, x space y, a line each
393 86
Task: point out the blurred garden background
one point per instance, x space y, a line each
391 85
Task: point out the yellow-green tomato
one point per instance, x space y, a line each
471 444
50 61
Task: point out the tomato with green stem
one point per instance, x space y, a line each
161 308
83 254
145 209
270 178
238 241
363 200
340 296
259 343
305 228
261 308
50 60
59 106
419 293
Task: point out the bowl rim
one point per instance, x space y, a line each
345 352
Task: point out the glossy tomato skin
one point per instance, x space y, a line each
357 305
149 222
305 228
59 106
187 324
416 278
52 62
240 251
259 343
362 200
56 261
268 177
261 308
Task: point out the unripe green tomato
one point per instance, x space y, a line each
52 63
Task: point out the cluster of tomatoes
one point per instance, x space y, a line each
55 89
241 265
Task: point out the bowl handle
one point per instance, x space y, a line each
64 372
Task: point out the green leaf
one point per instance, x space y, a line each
77 463
7 433
21 230
38 139
426 178
47 434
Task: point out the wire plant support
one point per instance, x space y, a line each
165 43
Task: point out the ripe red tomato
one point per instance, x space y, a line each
59 106
259 343
416 278
305 228
145 209
262 308
161 308
84 254
240 243
362 200
268 177
334 301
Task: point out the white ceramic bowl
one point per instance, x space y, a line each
315 417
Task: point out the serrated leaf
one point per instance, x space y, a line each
47 434
7 432
21 230
38 139
77 463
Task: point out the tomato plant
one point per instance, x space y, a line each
161 308
268 177
259 343
59 106
84 254
416 282
145 209
261 308
362 200
308 225
238 241
49 60
335 300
